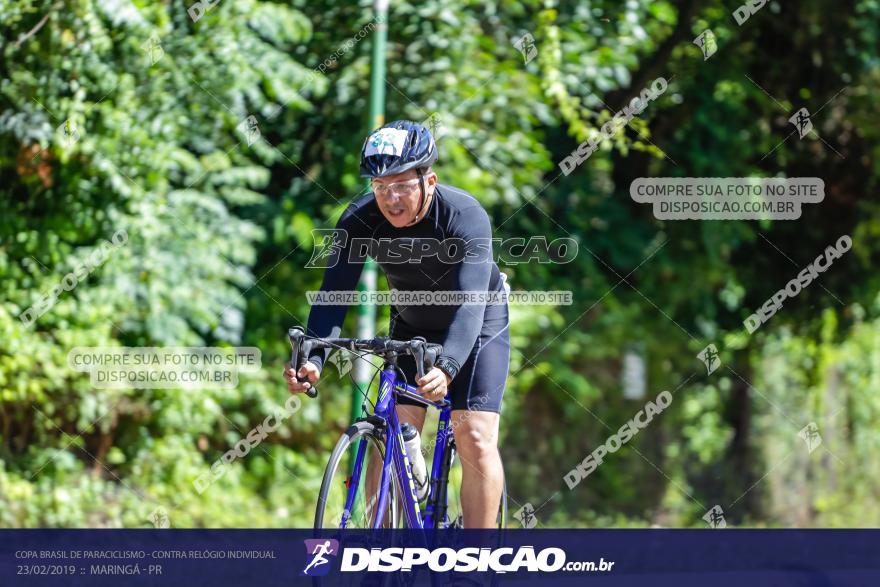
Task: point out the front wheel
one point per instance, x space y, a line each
351 500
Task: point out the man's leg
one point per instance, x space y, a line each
476 438
414 415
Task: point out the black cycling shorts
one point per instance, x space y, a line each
479 385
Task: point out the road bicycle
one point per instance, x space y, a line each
384 495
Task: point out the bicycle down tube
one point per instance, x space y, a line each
396 461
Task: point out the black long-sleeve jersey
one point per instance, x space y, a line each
453 216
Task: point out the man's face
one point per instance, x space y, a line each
398 196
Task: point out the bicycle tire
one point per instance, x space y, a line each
331 493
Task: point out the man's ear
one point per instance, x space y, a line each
432 178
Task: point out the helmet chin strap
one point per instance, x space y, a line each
422 199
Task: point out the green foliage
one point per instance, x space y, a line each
218 145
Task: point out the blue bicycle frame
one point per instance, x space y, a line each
396 461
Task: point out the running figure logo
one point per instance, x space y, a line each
526 516
801 121
329 245
709 356
318 550
707 44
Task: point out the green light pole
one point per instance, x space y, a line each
367 312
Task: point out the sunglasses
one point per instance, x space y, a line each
400 188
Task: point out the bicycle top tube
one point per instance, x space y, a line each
403 389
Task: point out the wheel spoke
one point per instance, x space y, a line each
337 507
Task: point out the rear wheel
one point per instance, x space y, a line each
333 509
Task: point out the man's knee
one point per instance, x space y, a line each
476 434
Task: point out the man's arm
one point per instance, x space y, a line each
326 321
473 276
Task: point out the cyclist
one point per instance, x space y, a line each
408 205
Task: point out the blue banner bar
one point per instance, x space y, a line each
535 557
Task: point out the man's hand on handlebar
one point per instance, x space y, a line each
308 370
434 385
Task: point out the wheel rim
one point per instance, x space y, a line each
365 504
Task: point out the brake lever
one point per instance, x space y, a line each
432 353
418 350
298 352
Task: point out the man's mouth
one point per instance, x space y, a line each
395 212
